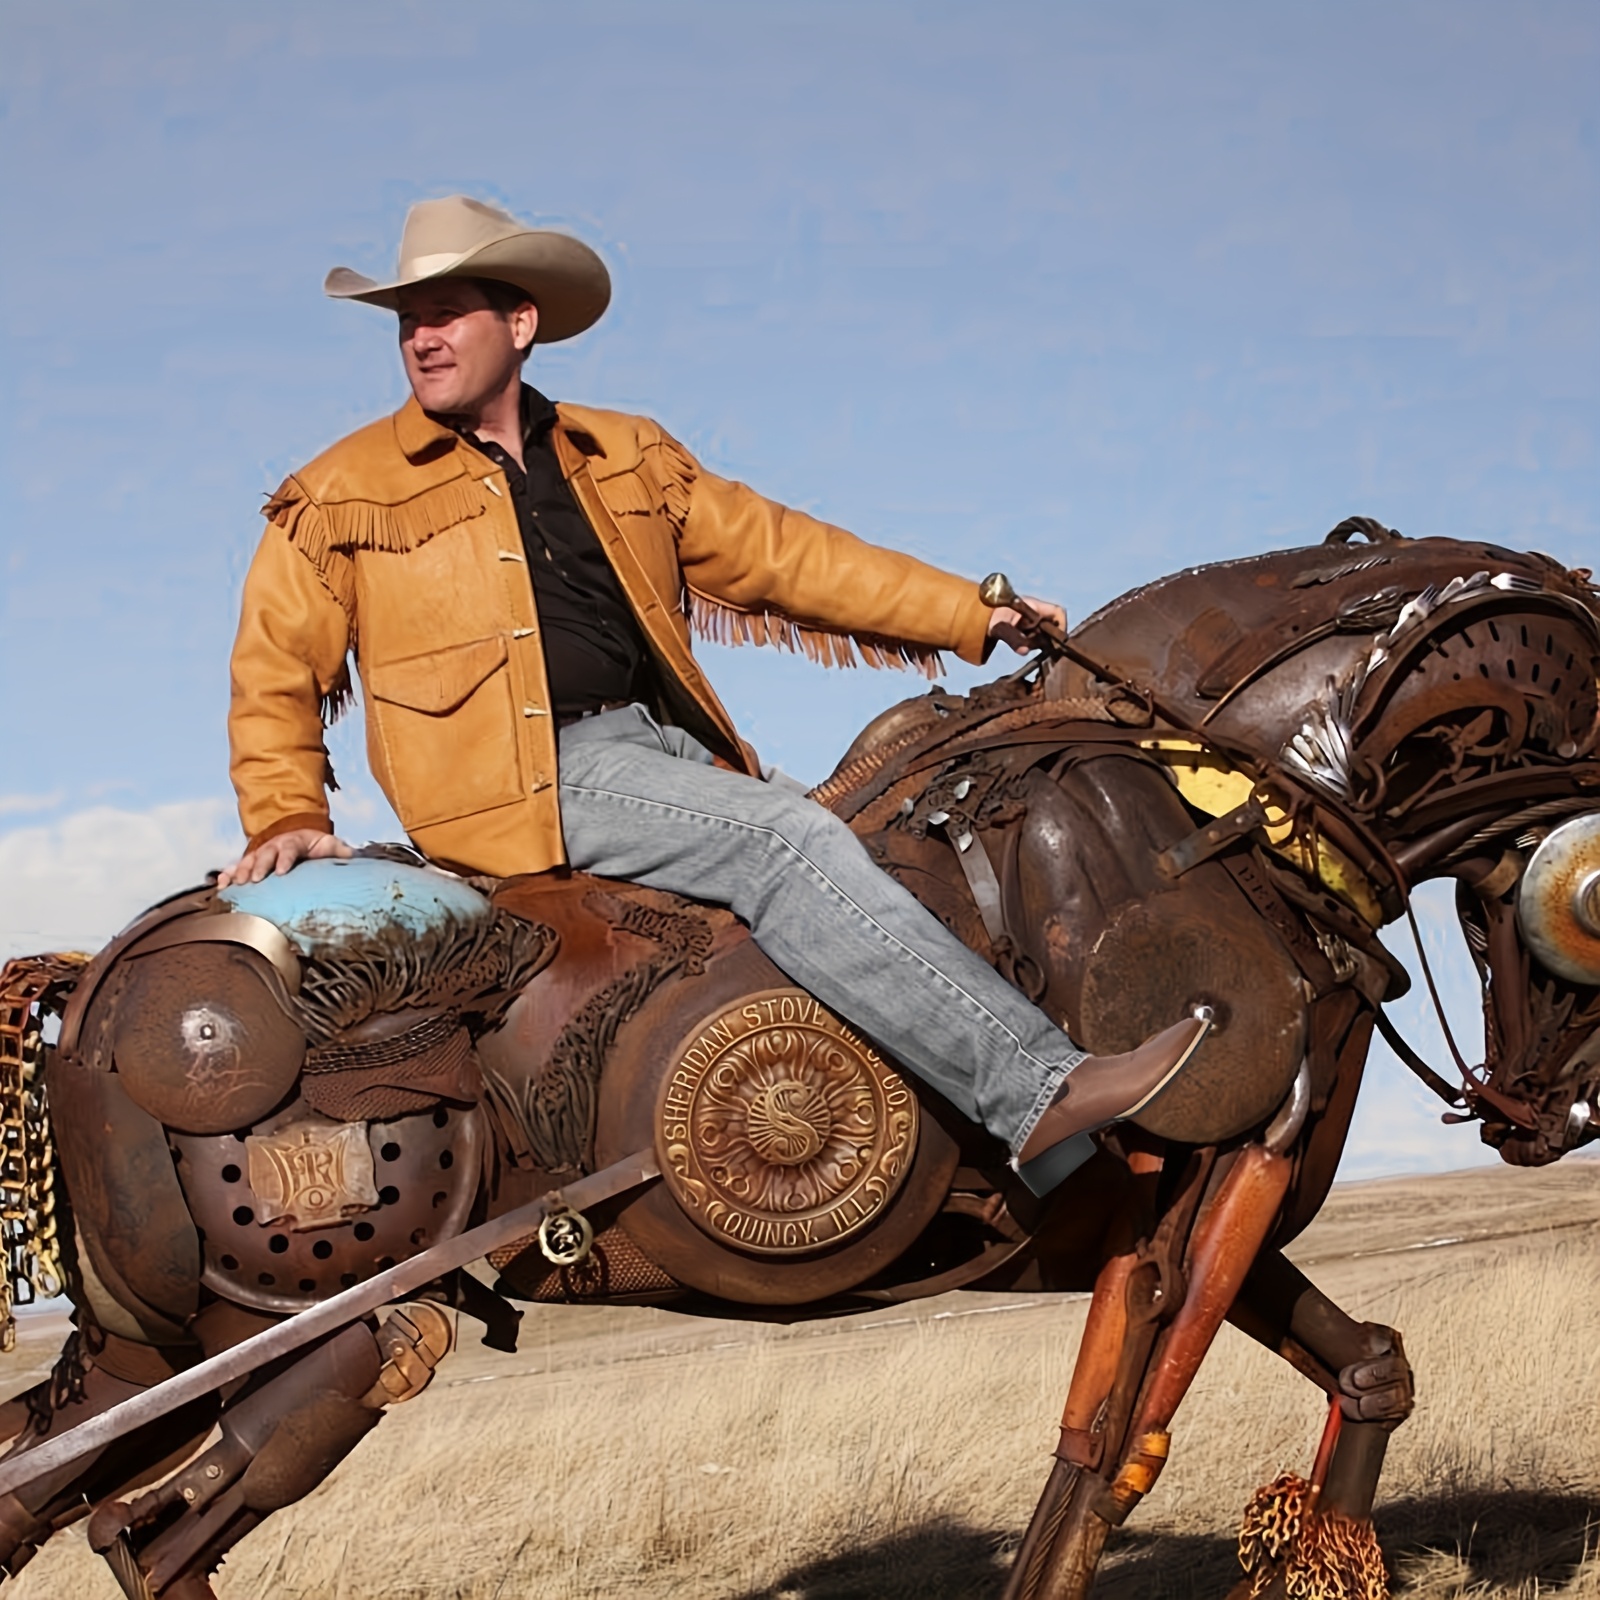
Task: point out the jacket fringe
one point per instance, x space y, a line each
347 525
729 625
327 536
677 473
337 699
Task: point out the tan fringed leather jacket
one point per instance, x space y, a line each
400 545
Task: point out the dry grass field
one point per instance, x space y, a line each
635 1453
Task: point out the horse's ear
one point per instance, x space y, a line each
1369 528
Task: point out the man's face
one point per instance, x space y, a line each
458 350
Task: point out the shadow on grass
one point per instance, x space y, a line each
938 1561
1512 1540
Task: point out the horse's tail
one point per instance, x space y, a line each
31 988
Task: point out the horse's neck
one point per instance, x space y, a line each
1243 648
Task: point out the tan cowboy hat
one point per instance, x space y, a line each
462 238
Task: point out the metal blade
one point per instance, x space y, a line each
304 1326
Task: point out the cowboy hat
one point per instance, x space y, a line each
461 238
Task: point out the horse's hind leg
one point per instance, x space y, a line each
95 1371
280 1438
1318 1532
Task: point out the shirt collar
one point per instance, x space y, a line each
538 413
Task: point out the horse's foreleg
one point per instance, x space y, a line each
1320 1528
1100 1353
1105 1353
1117 1463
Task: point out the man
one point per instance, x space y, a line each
517 580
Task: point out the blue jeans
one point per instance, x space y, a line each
644 803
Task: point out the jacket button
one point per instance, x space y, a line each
534 711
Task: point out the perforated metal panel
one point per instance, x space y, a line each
426 1169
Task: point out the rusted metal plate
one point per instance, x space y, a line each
125 1197
200 1041
1161 958
1558 905
310 1175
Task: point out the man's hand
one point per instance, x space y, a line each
1005 622
280 853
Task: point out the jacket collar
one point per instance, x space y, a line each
420 435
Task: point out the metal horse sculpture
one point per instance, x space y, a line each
285 1117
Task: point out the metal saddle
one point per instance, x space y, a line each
308 1079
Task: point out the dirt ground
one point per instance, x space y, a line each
640 1453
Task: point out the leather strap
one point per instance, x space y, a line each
982 880
596 711
1212 839
1396 1041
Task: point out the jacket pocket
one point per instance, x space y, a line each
638 512
446 731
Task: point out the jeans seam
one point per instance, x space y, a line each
1055 1070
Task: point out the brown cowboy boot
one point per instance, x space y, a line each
1101 1090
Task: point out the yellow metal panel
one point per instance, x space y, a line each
1210 784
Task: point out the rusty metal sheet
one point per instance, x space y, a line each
1558 905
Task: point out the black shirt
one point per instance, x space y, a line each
594 651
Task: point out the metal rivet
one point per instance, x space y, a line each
213 1470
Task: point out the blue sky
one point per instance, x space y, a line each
1086 291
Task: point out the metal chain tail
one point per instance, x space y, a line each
30 986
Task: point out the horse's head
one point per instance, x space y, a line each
1417 709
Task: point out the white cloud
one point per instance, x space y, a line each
71 883
11 804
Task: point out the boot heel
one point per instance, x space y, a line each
1054 1166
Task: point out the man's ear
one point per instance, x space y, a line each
524 325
